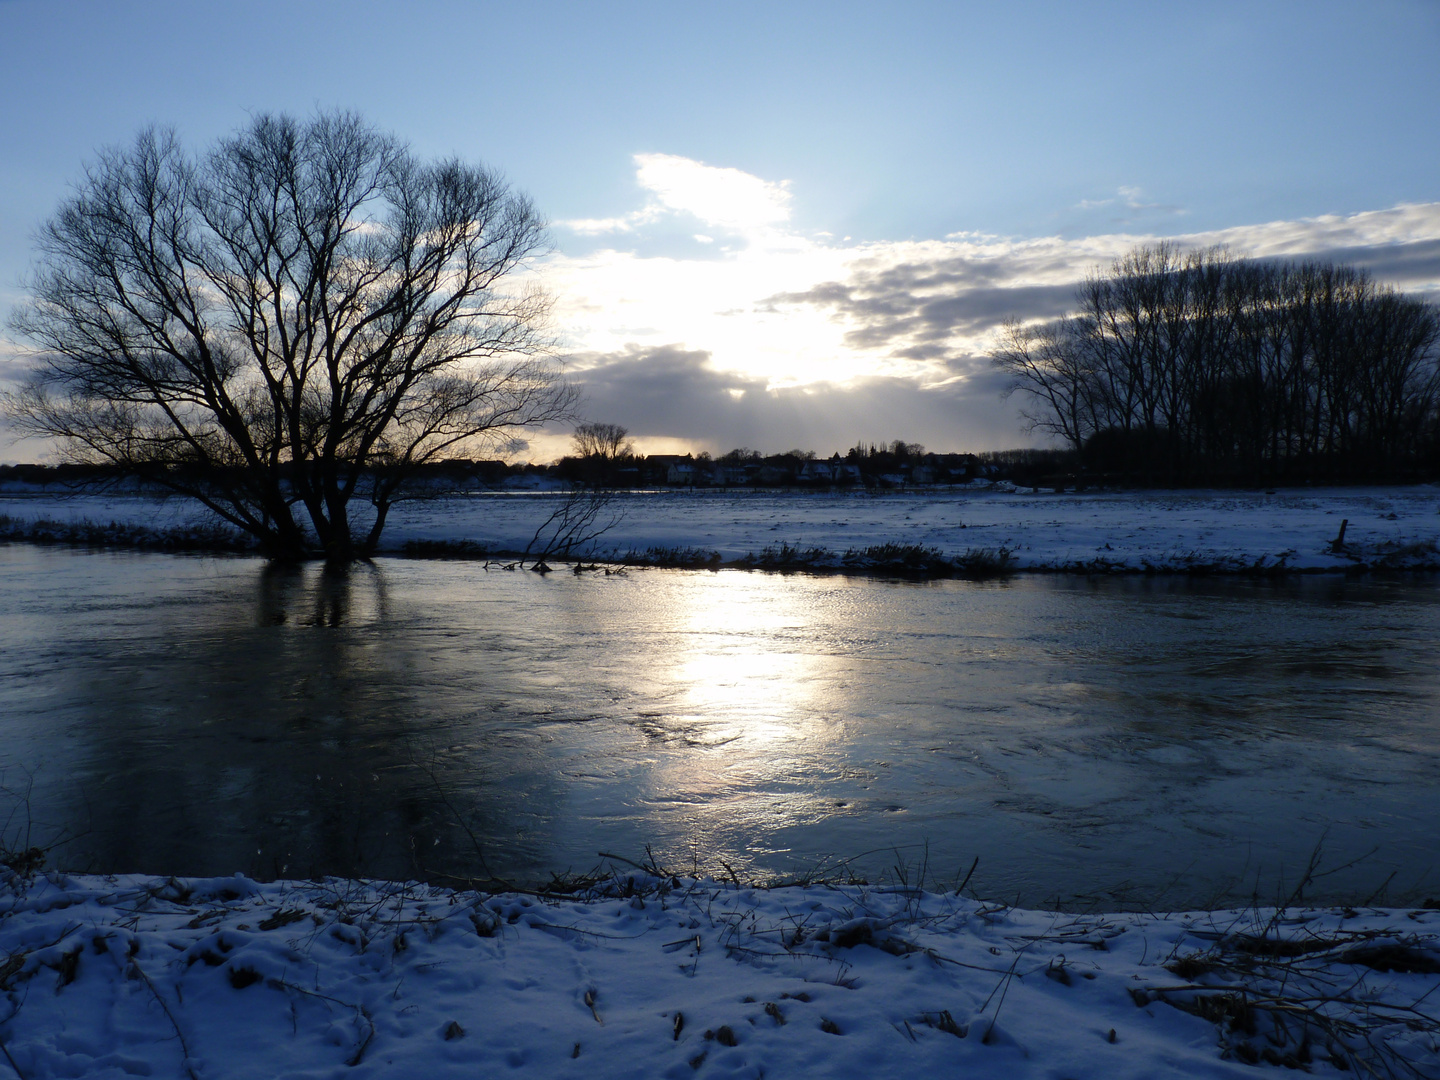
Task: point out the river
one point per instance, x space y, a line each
1126 741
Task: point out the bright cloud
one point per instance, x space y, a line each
726 198
600 226
720 197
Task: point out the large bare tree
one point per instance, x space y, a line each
287 326
1045 363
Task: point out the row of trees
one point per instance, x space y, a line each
1189 366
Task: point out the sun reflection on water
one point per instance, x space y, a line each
746 683
745 662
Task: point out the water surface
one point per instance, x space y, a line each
1125 740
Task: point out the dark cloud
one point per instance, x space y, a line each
1412 267
672 391
915 309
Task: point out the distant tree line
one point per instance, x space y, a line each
604 456
614 463
1201 367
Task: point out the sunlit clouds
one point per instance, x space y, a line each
709 291
726 198
705 318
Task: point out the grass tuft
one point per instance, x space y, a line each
679 558
789 557
980 563
909 560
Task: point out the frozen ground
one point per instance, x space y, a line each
1395 527
661 977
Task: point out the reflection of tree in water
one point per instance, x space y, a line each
280 725
291 592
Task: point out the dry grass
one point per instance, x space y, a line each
117 534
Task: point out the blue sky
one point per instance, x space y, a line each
798 222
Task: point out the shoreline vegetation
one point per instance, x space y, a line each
634 969
889 559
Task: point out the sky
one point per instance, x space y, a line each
795 224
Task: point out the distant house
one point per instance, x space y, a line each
491 471
668 469
950 468
844 472
818 472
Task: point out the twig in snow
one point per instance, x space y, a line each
971 873
6 1051
184 1046
1004 989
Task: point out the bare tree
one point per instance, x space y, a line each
605 442
579 518
299 317
1050 364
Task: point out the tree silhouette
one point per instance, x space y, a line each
292 321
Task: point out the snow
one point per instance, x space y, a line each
1101 531
1396 527
659 977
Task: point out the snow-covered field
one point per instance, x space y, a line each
1131 530
1395 527
661 977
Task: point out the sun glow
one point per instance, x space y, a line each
712 262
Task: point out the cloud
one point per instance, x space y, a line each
722 198
1130 198
1396 227
601 226
668 391
1413 264
915 309
725 198
933 302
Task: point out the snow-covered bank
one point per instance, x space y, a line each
1219 531
654 976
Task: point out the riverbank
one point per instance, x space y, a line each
929 532
640 974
